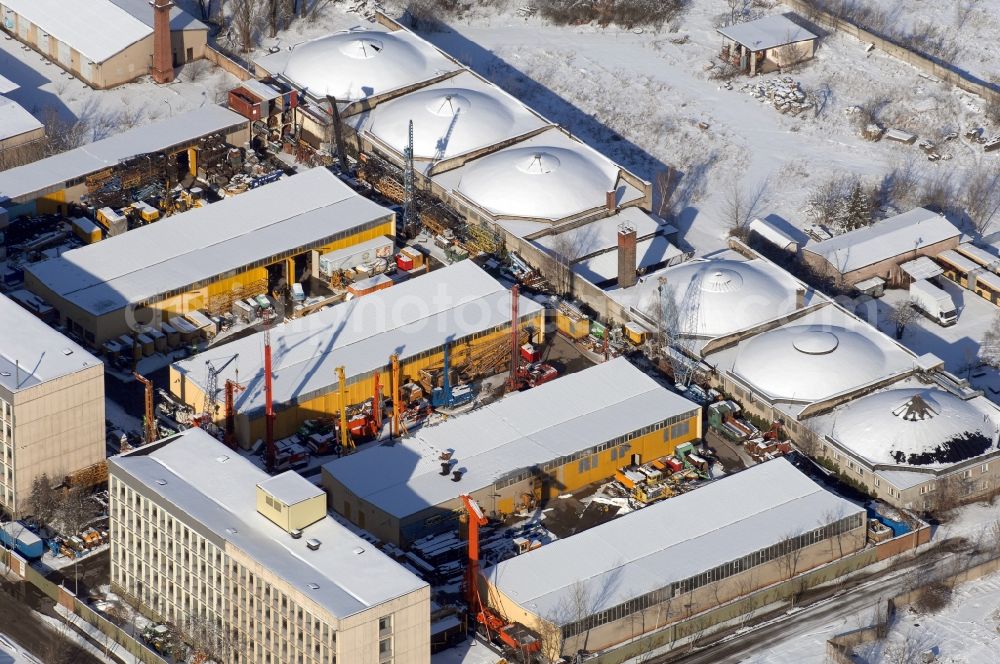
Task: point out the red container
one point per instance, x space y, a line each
404 262
529 353
674 464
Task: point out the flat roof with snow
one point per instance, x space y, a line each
27 182
410 318
187 249
767 32
600 235
32 353
886 239
200 479
522 430
14 120
651 253
670 541
98 29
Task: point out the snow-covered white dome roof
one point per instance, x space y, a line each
812 362
544 182
731 295
915 426
355 65
446 121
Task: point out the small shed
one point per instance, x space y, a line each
773 235
767 44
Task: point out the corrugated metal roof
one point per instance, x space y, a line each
526 429
670 541
200 244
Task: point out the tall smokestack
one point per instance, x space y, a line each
626 256
163 57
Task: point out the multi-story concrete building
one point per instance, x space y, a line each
201 535
51 406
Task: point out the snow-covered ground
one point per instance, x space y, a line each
13 653
45 86
470 652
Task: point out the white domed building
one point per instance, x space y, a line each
914 444
358 64
459 116
716 297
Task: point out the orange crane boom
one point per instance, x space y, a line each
271 452
345 433
232 387
476 521
513 382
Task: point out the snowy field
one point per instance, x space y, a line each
46 88
13 653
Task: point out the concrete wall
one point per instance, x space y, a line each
58 428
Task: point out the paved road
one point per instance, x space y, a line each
851 598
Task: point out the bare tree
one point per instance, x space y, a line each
989 348
76 510
205 8
981 196
788 562
247 18
666 186
739 10
902 315
740 205
197 70
210 639
43 501
566 249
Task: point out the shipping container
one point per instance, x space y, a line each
146 343
173 336
16 535
635 333
86 230
571 326
113 222
416 257
375 253
404 262
366 286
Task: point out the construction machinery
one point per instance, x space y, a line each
149 417
346 442
445 395
510 634
523 375
397 427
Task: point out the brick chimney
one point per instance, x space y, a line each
626 257
163 57
611 201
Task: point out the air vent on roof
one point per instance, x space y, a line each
67 351
4 373
457 476
295 533
313 544
358 551
161 482
445 455
222 459
314 586
445 465
231 531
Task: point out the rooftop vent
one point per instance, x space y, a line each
67 351
314 586
358 551
445 467
222 459
4 373
445 456
161 482
295 533
457 476
232 531
313 544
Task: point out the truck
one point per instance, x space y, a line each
933 302
15 535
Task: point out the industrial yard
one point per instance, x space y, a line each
464 333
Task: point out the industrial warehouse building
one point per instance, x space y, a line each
460 305
640 573
103 42
48 185
18 128
914 444
51 406
199 532
204 258
512 453
880 249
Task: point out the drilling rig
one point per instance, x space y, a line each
270 453
149 417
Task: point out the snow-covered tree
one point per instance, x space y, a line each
854 211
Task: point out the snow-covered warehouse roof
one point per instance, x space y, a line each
767 32
203 481
600 235
554 176
914 424
525 429
358 64
821 354
97 29
456 116
31 352
729 295
887 239
190 248
670 541
410 318
26 182
14 120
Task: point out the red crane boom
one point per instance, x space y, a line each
271 458
513 382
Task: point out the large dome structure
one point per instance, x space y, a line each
447 121
357 64
730 295
810 362
537 181
915 426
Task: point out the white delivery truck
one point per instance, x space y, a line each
934 302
